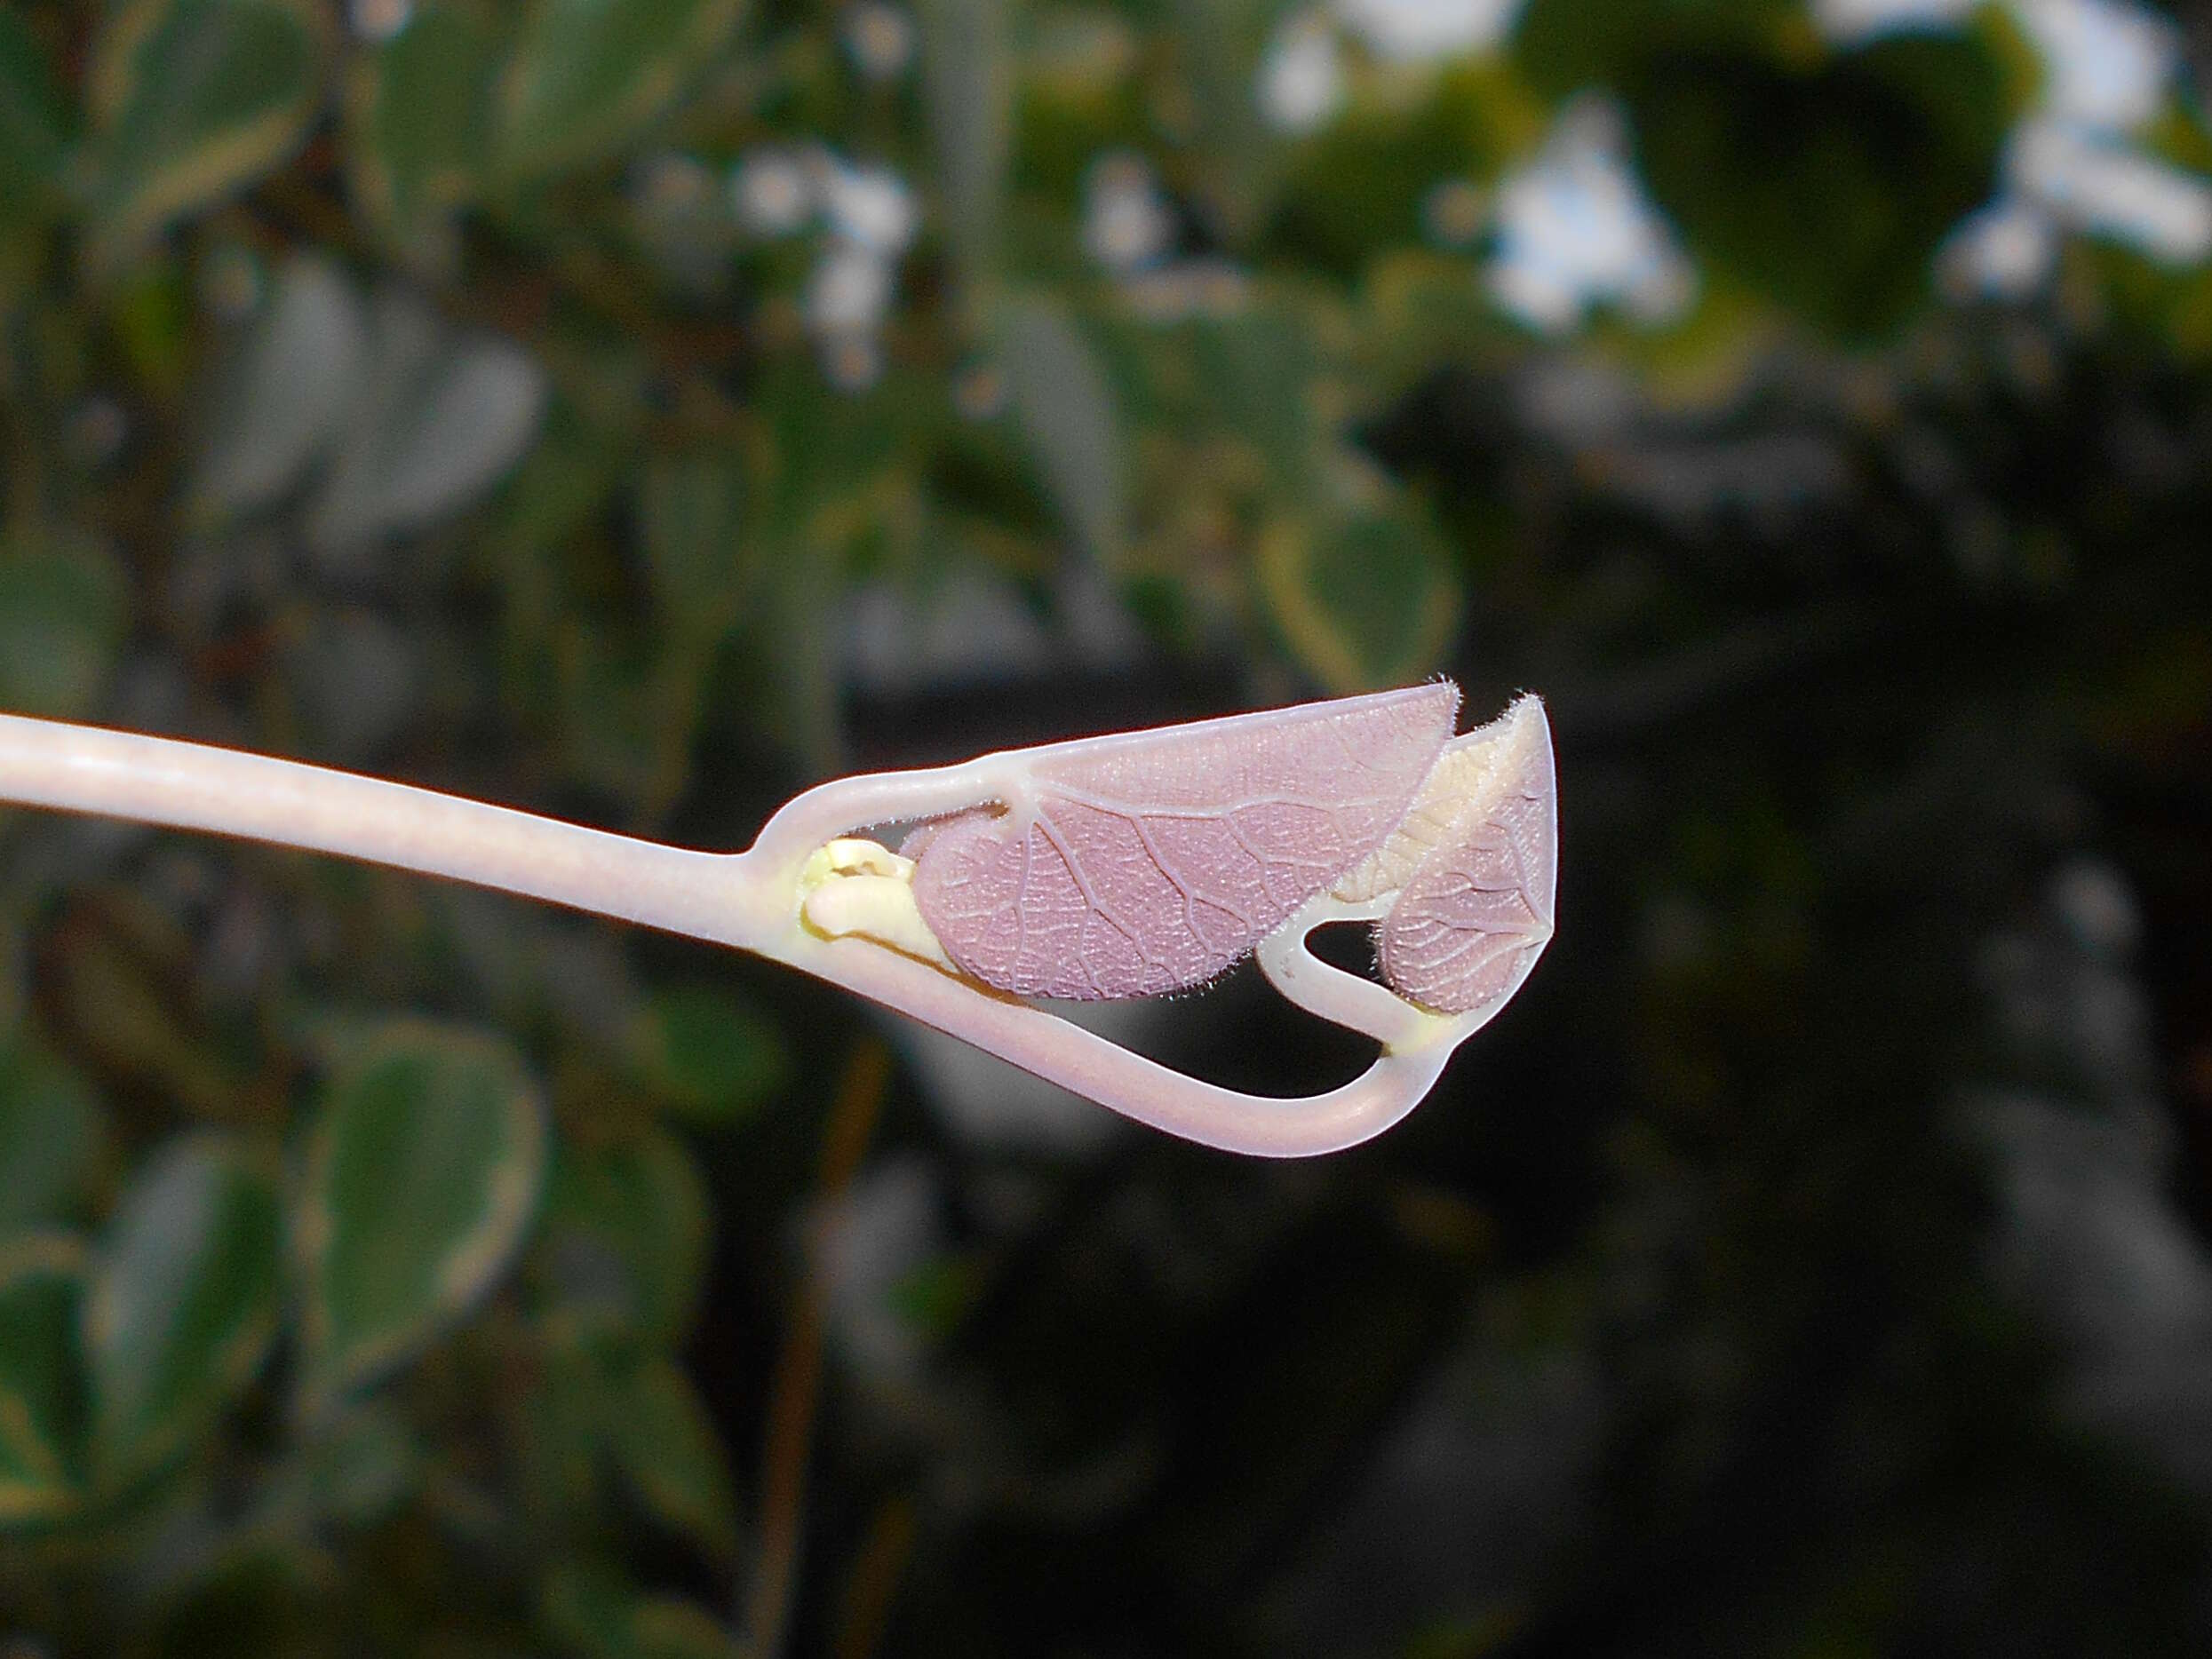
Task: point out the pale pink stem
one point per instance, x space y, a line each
1341 998
1089 1065
749 900
194 786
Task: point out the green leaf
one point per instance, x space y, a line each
936 1293
1222 44
32 123
968 80
41 1281
360 1468
440 418
626 1234
594 1612
627 718
302 362
667 1627
1366 597
1357 188
1866 158
706 575
1255 373
421 1177
114 984
691 512
1066 412
665 1443
14 950
49 1133
419 117
560 1433
151 312
1073 101
256 1591
1564 45
182 1302
588 75
191 100
586 1609
61 620
1865 165
710 1056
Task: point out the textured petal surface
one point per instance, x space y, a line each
1476 911
1149 862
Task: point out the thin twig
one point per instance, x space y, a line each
874 1579
795 1389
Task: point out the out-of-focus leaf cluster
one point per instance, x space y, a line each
635 409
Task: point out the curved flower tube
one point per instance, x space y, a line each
1124 865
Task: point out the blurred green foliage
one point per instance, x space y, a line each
533 401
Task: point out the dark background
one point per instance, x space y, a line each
547 404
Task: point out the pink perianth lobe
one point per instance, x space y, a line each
1150 861
1472 919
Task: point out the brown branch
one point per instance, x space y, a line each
795 1389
